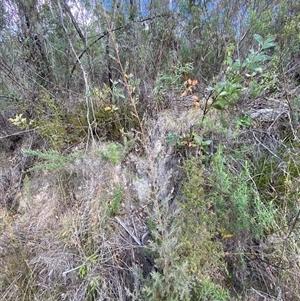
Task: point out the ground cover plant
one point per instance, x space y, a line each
149 150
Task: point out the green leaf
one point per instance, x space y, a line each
173 138
270 42
267 45
207 142
218 106
223 93
236 65
198 140
261 58
83 271
95 257
258 38
223 84
258 70
229 61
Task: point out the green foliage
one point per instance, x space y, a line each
243 121
173 138
188 140
203 44
113 154
53 160
129 141
88 264
263 45
206 290
264 217
171 284
21 122
198 225
170 280
225 93
92 289
237 203
231 196
283 23
277 177
239 193
84 272
261 21
110 120
50 122
237 74
171 81
183 247
115 202
115 92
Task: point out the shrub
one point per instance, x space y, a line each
237 75
186 256
198 224
53 160
113 153
236 200
115 203
170 280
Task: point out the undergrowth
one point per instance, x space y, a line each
230 229
236 200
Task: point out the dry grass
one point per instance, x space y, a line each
64 245
63 224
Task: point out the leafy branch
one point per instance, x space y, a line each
53 159
227 91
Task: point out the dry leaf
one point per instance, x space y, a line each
185 75
184 93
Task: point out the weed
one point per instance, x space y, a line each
198 224
188 140
116 201
205 289
171 82
113 154
53 159
170 280
236 200
237 74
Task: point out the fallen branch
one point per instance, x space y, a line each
128 231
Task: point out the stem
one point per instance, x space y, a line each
89 103
144 139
